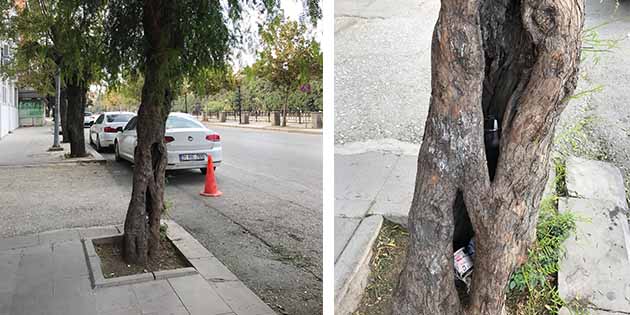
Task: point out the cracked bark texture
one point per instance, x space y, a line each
142 223
516 61
75 92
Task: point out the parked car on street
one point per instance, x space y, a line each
103 131
88 119
188 143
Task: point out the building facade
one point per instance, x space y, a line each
9 114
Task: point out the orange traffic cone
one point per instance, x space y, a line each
211 189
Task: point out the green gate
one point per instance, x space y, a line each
31 113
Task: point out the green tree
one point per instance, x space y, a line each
58 35
289 58
166 41
211 81
124 96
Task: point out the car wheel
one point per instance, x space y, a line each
204 171
117 152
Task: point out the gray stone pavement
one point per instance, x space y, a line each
594 268
372 180
47 273
29 146
382 68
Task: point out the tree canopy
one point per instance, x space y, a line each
54 34
288 58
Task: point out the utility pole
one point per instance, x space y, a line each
56 146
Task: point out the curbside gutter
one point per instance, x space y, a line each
352 269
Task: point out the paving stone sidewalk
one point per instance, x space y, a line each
47 273
373 179
29 146
377 178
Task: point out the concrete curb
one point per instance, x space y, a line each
601 174
96 272
98 158
216 284
269 128
352 269
203 262
596 259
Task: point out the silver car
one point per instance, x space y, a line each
188 143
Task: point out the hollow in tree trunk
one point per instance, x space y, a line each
513 62
142 223
75 94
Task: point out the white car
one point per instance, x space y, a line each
88 120
104 130
188 143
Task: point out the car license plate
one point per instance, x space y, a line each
192 157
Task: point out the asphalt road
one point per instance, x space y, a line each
608 108
267 225
383 69
266 228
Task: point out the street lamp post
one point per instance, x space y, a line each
56 146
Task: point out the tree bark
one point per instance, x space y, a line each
63 111
75 94
284 110
513 61
142 223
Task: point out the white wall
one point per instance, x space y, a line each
8 107
9 118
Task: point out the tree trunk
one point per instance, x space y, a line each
63 113
142 224
284 110
515 62
75 93
50 105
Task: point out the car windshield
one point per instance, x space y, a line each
87 114
180 122
119 117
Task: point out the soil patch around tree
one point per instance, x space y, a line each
113 264
390 255
388 259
